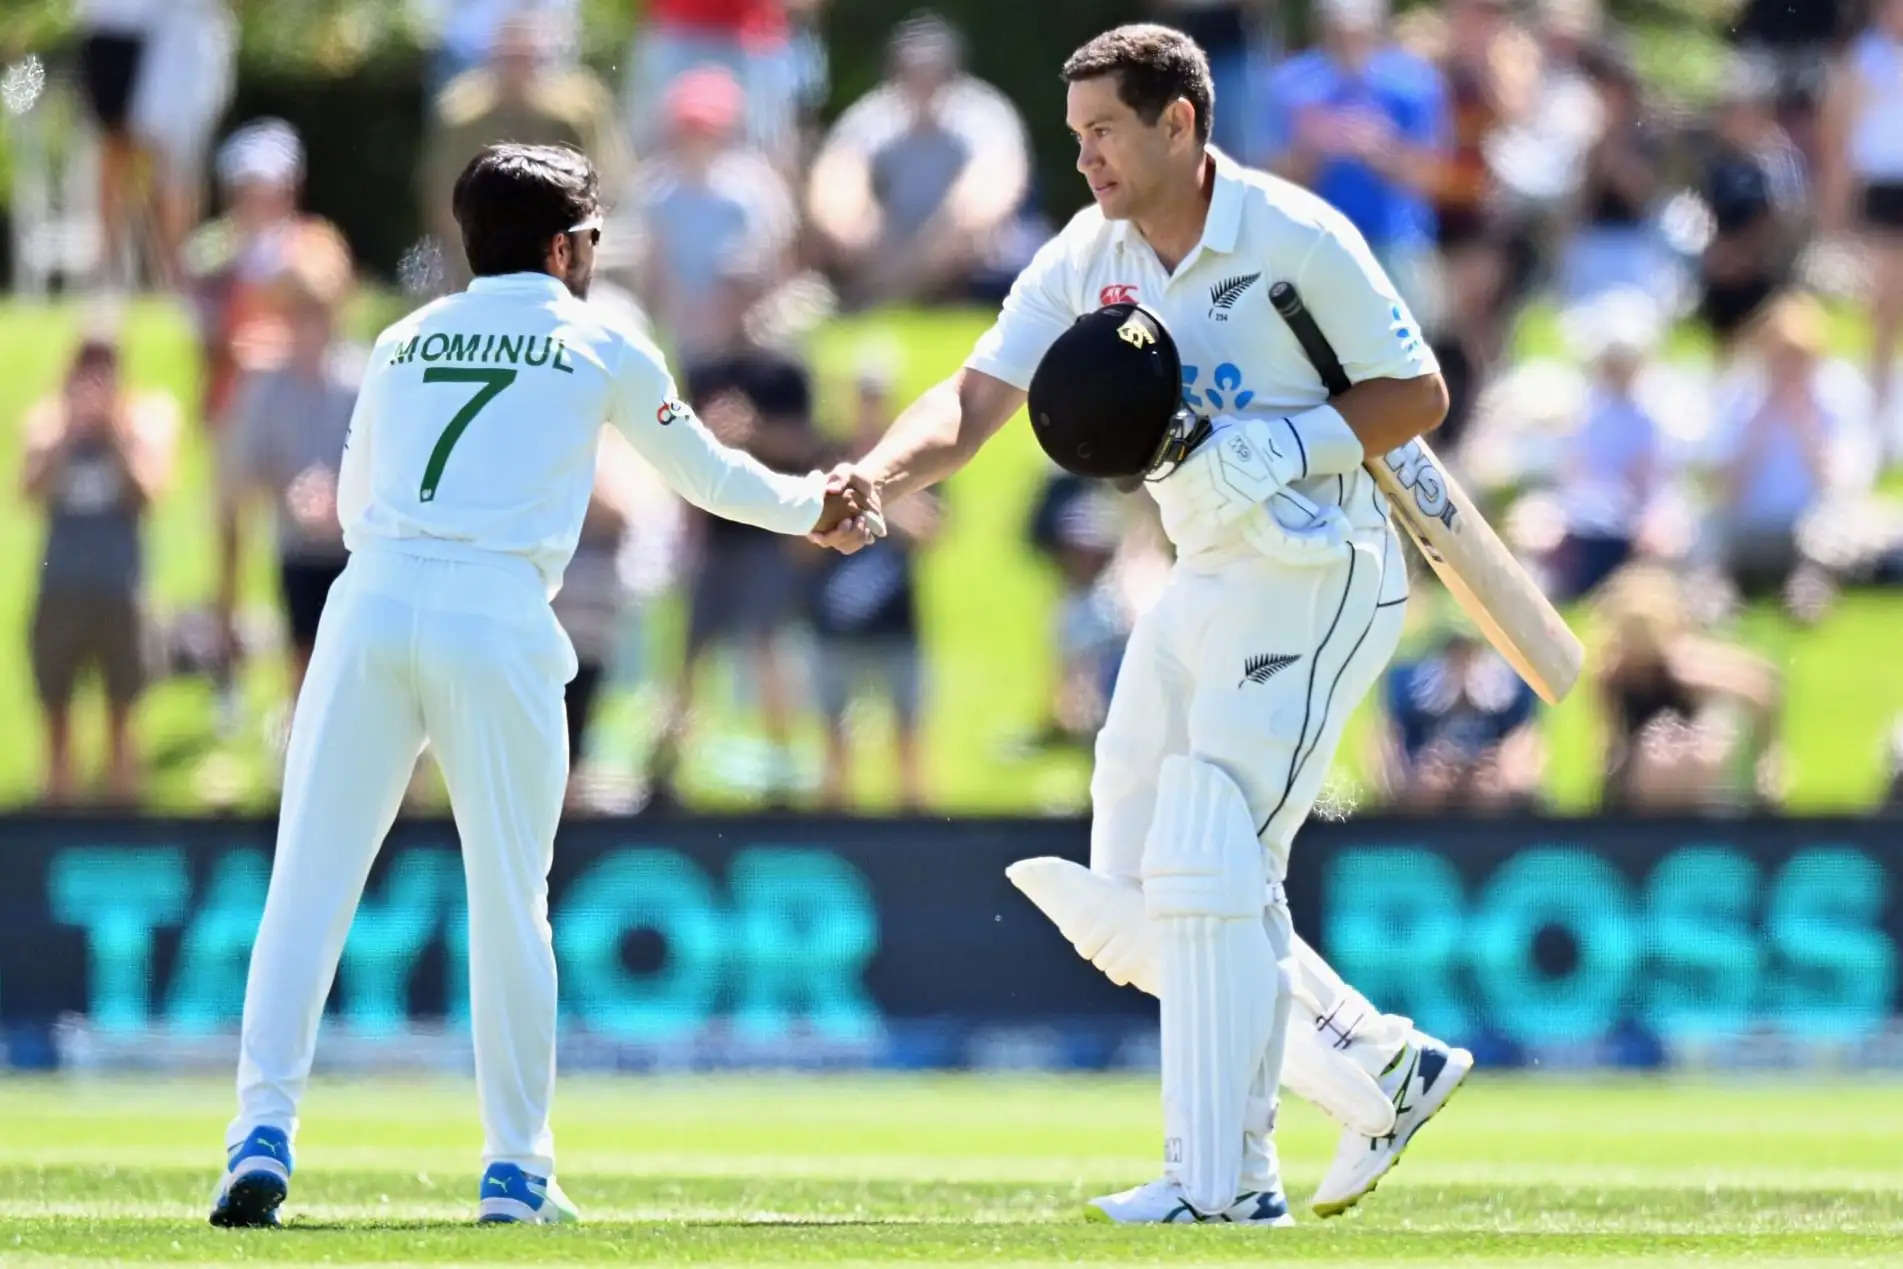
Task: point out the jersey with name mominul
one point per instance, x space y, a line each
479 418
1239 357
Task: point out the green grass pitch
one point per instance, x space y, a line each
936 1169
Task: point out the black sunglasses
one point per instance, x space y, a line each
592 226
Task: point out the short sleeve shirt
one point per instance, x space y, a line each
1239 357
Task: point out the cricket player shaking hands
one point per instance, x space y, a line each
1285 603
464 482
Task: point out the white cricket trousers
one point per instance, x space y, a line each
458 649
1256 668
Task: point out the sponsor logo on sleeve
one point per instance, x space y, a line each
672 410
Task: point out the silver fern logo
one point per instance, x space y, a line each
1223 295
1261 669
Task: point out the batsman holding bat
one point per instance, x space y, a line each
1285 604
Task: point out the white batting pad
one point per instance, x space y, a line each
1101 916
1314 1069
1222 990
1201 857
1338 1042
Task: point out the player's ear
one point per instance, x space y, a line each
1181 118
559 251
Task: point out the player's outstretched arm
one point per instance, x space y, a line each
935 436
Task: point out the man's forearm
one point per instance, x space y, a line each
1385 413
922 447
940 432
1369 419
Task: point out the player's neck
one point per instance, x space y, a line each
1175 226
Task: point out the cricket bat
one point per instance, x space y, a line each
1458 544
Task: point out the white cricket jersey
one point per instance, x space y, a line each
477 424
1239 357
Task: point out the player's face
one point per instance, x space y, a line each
1123 159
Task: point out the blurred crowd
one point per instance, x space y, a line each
1497 155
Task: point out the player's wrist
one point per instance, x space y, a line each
1326 444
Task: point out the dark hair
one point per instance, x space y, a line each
513 198
1154 65
925 32
95 352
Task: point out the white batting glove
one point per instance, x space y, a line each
1244 462
1236 487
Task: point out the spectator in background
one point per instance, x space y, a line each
1364 124
766 45
1540 157
1490 64
1755 188
747 585
157 74
1783 436
1230 34
715 221
1614 469
233 263
469 30
865 614
1795 41
590 603
918 176
1462 732
1691 720
1613 246
520 94
95 459
1077 525
112 40
185 82
1862 177
285 443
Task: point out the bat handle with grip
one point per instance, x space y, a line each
1301 323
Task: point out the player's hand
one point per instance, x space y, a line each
1235 489
1241 467
1292 530
852 517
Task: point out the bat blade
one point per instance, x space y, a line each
1482 575
1458 544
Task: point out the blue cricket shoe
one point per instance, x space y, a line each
511 1196
257 1177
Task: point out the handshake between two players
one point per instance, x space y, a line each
462 493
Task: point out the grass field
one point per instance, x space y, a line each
986 600
875 1170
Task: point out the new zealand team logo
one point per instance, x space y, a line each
1260 669
1223 295
1117 293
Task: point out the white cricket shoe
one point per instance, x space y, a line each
510 1196
1420 1080
1161 1202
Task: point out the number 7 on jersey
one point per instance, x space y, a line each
492 381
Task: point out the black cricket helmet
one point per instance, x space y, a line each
1107 399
